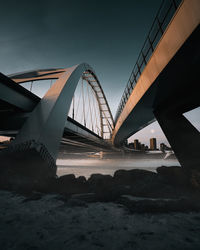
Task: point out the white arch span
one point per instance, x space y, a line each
44 128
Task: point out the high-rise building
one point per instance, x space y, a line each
143 147
136 144
153 145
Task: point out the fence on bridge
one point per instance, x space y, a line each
160 23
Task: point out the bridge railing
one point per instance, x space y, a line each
160 23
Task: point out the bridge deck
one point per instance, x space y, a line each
170 70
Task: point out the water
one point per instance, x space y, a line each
87 166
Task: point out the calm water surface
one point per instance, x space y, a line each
88 166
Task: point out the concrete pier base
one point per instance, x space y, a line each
183 137
28 161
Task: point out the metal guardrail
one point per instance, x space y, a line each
160 23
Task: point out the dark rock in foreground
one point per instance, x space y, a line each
130 176
168 182
66 184
174 175
147 205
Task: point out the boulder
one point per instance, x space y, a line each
100 180
68 184
149 205
67 179
139 182
103 186
174 175
81 179
130 176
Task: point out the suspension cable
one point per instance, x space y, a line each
73 100
31 86
95 108
79 98
90 111
83 104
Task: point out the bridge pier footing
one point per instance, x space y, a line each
28 158
26 165
183 137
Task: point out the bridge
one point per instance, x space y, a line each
163 85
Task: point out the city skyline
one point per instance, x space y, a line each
152 145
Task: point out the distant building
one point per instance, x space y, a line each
136 144
153 144
143 147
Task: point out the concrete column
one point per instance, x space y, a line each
183 137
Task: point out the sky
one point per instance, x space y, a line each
107 34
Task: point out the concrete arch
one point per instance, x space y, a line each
89 76
44 128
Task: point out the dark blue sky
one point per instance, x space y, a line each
108 35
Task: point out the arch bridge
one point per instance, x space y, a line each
39 124
163 85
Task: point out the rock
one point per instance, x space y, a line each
130 176
174 175
81 179
68 184
144 205
142 183
103 186
66 179
96 180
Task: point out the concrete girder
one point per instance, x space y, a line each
183 26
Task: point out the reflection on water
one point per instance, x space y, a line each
87 166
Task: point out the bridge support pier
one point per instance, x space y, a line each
35 148
183 137
28 160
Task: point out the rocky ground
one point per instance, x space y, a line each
51 222
134 209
